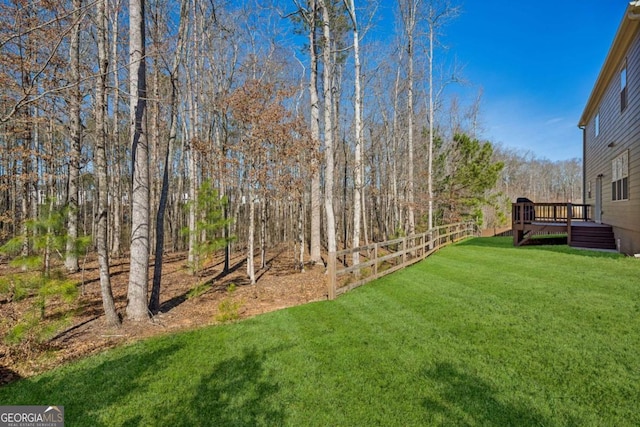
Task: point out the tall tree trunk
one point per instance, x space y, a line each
357 167
192 257
178 205
34 167
315 245
155 179
24 209
251 271
23 194
263 233
116 232
431 118
345 181
154 303
410 29
140 214
301 233
328 127
108 304
194 85
193 175
226 231
397 222
71 256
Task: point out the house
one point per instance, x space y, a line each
611 137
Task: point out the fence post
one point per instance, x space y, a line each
375 259
433 238
332 275
404 250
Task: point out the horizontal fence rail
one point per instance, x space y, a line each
380 259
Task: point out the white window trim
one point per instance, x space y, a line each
620 171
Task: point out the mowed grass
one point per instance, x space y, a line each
480 333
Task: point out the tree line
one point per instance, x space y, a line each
319 123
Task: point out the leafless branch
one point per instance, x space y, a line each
43 25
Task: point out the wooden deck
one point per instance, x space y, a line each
572 220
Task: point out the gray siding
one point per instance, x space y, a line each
621 130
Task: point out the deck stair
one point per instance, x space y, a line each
593 236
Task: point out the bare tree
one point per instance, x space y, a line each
314 241
309 15
328 125
438 13
154 303
108 304
357 167
409 12
194 85
75 99
393 155
32 37
140 213
116 150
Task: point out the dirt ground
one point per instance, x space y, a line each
278 286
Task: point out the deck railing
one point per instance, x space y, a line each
526 213
380 259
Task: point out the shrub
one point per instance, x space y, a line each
229 308
38 282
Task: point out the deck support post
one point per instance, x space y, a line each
569 216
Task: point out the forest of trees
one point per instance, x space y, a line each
327 123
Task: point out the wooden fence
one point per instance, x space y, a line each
380 259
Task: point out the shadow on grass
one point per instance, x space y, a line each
465 399
7 375
507 243
237 392
564 249
87 393
130 390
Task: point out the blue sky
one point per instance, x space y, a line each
536 62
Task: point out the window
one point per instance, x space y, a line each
623 86
597 124
620 177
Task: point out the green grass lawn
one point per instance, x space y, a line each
480 333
